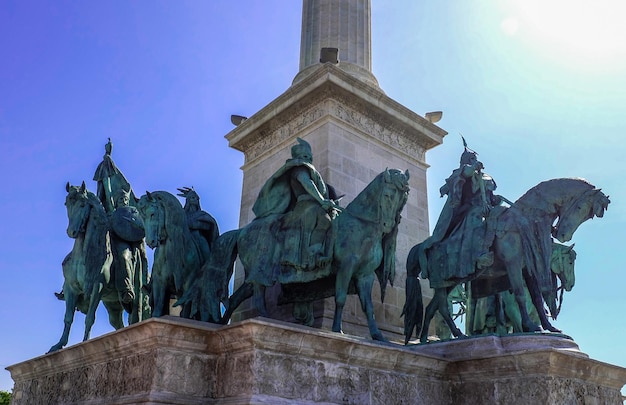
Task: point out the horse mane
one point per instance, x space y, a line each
96 204
530 197
178 235
365 206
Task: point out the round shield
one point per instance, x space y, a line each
127 224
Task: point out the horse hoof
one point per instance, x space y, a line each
379 337
531 328
54 349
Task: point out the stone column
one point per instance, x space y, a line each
341 24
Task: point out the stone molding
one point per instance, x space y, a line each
348 98
176 361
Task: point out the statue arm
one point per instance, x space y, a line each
304 178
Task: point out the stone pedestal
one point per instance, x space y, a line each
174 361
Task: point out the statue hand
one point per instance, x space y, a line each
327 204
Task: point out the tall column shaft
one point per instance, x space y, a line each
342 24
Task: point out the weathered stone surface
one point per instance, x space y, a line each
174 361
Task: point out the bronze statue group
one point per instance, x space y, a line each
501 259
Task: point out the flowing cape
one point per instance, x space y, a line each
275 197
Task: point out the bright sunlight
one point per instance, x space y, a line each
592 32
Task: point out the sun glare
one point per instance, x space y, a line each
592 31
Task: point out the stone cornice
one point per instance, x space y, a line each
305 102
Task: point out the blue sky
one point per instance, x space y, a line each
538 90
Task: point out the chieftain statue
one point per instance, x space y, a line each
303 240
108 262
496 248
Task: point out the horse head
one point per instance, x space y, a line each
562 264
78 209
589 204
151 210
394 193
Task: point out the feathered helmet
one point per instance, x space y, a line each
187 192
468 155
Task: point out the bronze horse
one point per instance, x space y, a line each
87 268
177 257
504 306
364 238
522 251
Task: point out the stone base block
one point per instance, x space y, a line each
258 361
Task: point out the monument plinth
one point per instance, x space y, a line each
258 361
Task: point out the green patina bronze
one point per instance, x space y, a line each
499 313
301 238
87 269
130 263
178 256
201 224
496 247
108 261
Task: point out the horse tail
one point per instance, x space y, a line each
204 298
223 255
413 310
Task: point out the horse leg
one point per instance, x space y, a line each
429 313
94 300
70 308
364 289
243 293
444 310
439 303
512 312
159 299
258 295
342 282
517 285
537 299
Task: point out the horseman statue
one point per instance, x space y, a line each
497 248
